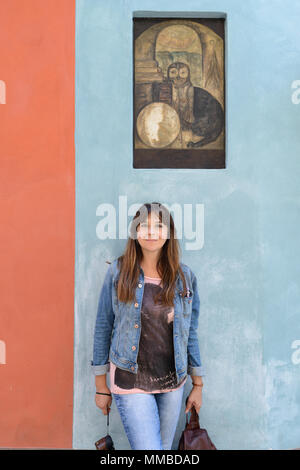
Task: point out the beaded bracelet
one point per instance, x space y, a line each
197 385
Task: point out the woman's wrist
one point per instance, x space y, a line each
101 385
102 388
197 385
197 380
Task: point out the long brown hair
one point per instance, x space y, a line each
168 264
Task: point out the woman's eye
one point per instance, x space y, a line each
146 225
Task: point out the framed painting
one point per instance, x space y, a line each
179 93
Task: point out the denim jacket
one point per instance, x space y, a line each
118 327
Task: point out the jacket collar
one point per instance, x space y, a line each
177 280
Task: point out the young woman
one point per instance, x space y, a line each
146 333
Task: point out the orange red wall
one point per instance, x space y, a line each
37 205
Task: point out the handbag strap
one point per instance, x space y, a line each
194 419
107 422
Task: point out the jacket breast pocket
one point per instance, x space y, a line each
186 315
187 303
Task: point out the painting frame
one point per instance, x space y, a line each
144 156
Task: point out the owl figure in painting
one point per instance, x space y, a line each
182 93
197 109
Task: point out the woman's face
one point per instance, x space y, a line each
152 234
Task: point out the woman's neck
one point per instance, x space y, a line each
148 265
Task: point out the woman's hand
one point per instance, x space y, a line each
103 401
194 399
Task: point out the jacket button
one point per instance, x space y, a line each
140 285
136 325
132 368
133 348
136 304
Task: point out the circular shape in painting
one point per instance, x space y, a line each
158 125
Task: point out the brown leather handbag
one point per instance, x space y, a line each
106 442
193 437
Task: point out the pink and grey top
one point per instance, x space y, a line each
156 368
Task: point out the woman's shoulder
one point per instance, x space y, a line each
187 271
113 266
186 268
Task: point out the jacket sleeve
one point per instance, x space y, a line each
195 366
103 327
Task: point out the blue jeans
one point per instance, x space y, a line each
150 419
